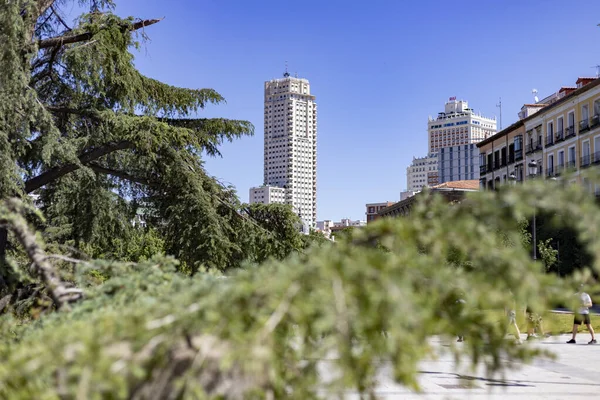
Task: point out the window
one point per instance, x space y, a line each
561 159
571 120
572 156
550 164
585 115
559 128
585 153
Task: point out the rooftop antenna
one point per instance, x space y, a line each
597 70
286 73
499 105
535 98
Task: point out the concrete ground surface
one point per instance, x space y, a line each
574 373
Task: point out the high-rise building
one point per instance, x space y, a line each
458 125
290 147
453 135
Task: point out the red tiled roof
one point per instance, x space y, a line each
470 185
565 88
584 78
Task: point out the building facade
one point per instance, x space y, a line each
268 195
502 155
458 125
290 147
374 208
423 172
458 163
563 135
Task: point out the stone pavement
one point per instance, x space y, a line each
575 373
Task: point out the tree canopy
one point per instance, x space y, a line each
99 144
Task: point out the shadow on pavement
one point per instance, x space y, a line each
503 382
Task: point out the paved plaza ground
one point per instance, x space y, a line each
575 373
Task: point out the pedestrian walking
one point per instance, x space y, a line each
512 321
582 315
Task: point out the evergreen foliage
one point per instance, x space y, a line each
145 330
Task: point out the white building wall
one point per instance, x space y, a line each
419 172
268 195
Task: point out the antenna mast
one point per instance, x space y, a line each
597 70
499 105
286 73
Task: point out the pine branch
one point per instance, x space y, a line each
120 174
59 292
68 39
87 157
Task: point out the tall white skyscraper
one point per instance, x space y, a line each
290 151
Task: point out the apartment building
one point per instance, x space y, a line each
502 155
423 172
562 133
290 147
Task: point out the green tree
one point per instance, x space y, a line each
547 253
96 141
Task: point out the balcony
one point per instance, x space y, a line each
549 140
585 161
532 147
584 125
595 121
496 165
482 169
550 172
560 136
596 158
518 155
571 164
511 158
570 132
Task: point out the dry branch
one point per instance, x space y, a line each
57 172
60 292
68 39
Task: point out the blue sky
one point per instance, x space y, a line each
378 69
